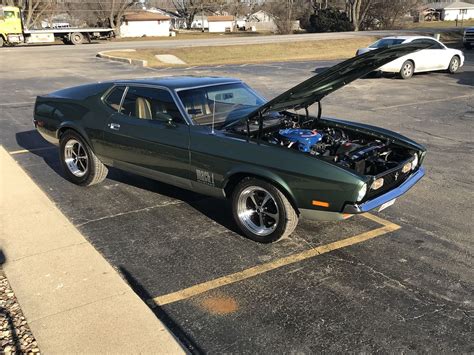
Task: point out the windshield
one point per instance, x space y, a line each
222 102
387 42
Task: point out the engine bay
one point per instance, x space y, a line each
365 154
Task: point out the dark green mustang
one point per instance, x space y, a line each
218 137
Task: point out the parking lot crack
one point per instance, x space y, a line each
145 209
398 284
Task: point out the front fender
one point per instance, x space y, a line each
250 170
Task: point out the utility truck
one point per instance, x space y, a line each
13 31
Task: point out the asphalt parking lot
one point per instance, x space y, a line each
401 280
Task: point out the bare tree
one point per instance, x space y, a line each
102 12
33 10
357 11
388 14
285 12
188 9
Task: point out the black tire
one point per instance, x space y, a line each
250 194
407 70
76 38
454 64
94 171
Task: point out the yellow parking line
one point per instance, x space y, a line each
192 291
22 151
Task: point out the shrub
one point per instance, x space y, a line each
328 20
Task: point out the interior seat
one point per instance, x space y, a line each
143 108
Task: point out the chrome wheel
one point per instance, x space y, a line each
407 70
454 65
258 211
75 157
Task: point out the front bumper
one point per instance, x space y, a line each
390 195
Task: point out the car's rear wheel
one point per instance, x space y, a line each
407 70
79 162
454 64
262 212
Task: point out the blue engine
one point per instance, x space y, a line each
304 138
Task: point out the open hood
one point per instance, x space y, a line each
315 88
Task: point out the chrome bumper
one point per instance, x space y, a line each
390 195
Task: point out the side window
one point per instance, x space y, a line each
114 98
428 42
150 104
434 44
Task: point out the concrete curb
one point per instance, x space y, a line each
73 299
137 62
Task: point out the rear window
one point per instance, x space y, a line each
114 98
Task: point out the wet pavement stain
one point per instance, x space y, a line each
219 305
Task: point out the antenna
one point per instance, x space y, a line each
213 115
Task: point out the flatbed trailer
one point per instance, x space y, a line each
12 31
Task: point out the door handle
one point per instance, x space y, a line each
114 126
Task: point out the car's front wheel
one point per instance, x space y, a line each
407 70
80 164
262 212
454 64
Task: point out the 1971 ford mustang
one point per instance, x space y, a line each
218 137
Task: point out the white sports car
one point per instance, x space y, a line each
436 57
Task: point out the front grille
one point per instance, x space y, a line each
391 180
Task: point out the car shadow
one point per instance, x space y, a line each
185 339
467 78
218 210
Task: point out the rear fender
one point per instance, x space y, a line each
64 126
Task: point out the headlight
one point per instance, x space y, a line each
362 192
414 163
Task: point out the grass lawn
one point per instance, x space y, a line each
194 35
255 53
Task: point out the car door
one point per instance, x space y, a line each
148 135
433 58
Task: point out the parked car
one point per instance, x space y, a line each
436 57
218 137
468 38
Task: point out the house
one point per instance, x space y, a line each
144 23
452 11
221 23
261 16
176 21
263 21
200 21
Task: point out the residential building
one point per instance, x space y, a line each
221 23
145 24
